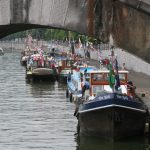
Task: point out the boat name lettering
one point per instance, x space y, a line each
104 97
122 97
107 97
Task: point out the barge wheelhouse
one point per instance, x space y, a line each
108 113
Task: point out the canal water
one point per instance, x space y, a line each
37 116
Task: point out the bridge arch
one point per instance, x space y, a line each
128 22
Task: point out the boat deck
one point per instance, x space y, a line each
141 81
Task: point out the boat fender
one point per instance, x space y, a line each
76 112
67 94
70 97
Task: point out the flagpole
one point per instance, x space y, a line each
85 50
112 56
111 71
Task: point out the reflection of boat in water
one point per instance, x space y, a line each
1 51
111 112
90 143
42 89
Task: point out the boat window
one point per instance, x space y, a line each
68 63
87 76
34 64
122 76
97 89
59 63
100 77
105 76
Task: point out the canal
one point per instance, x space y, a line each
38 115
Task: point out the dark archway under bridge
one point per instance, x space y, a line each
126 23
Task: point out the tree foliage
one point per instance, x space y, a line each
51 34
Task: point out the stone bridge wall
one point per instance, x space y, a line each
127 22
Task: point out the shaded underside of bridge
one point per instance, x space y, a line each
124 23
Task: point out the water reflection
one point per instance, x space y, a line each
89 143
47 89
33 116
41 89
38 115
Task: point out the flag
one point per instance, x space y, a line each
117 80
111 78
116 65
86 43
99 55
90 46
79 44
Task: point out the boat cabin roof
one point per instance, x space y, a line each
83 67
88 69
101 77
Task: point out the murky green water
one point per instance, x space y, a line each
38 115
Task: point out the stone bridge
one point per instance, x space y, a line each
124 23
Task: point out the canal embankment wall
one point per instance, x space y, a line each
131 61
18 45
